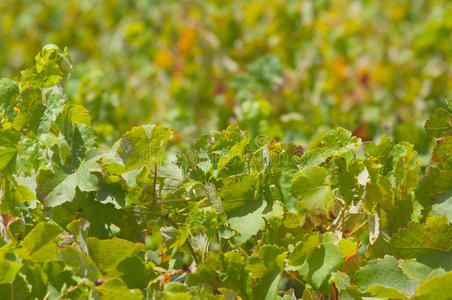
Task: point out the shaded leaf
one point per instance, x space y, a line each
439 122
41 243
117 289
58 187
79 262
107 254
8 146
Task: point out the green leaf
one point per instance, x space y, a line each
225 150
436 181
135 273
442 153
9 90
437 288
79 115
79 262
235 151
176 287
23 194
324 259
78 229
176 291
379 192
238 192
268 268
245 213
14 198
58 187
423 239
384 278
8 268
58 276
304 249
50 68
341 280
107 254
233 274
143 145
116 289
443 206
316 264
206 271
102 217
338 141
270 259
346 179
32 155
379 154
31 109
439 122
19 289
8 146
347 247
41 243
248 221
418 271
111 192
311 189
55 101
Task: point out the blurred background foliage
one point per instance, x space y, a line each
290 70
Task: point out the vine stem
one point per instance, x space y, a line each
357 228
67 291
175 200
296 278
154 192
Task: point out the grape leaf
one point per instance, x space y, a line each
41 243
9 90
338 141
443 206
233 275
418 271
107 254
51 66
311 189
268 268
8 146
79 262
116 289
304 248
135 273
317 263
58 187
437 288
384 278
423 239
8 268
143 145
439 122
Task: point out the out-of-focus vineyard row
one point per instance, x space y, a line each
291 70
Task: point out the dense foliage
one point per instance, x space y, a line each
230 215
